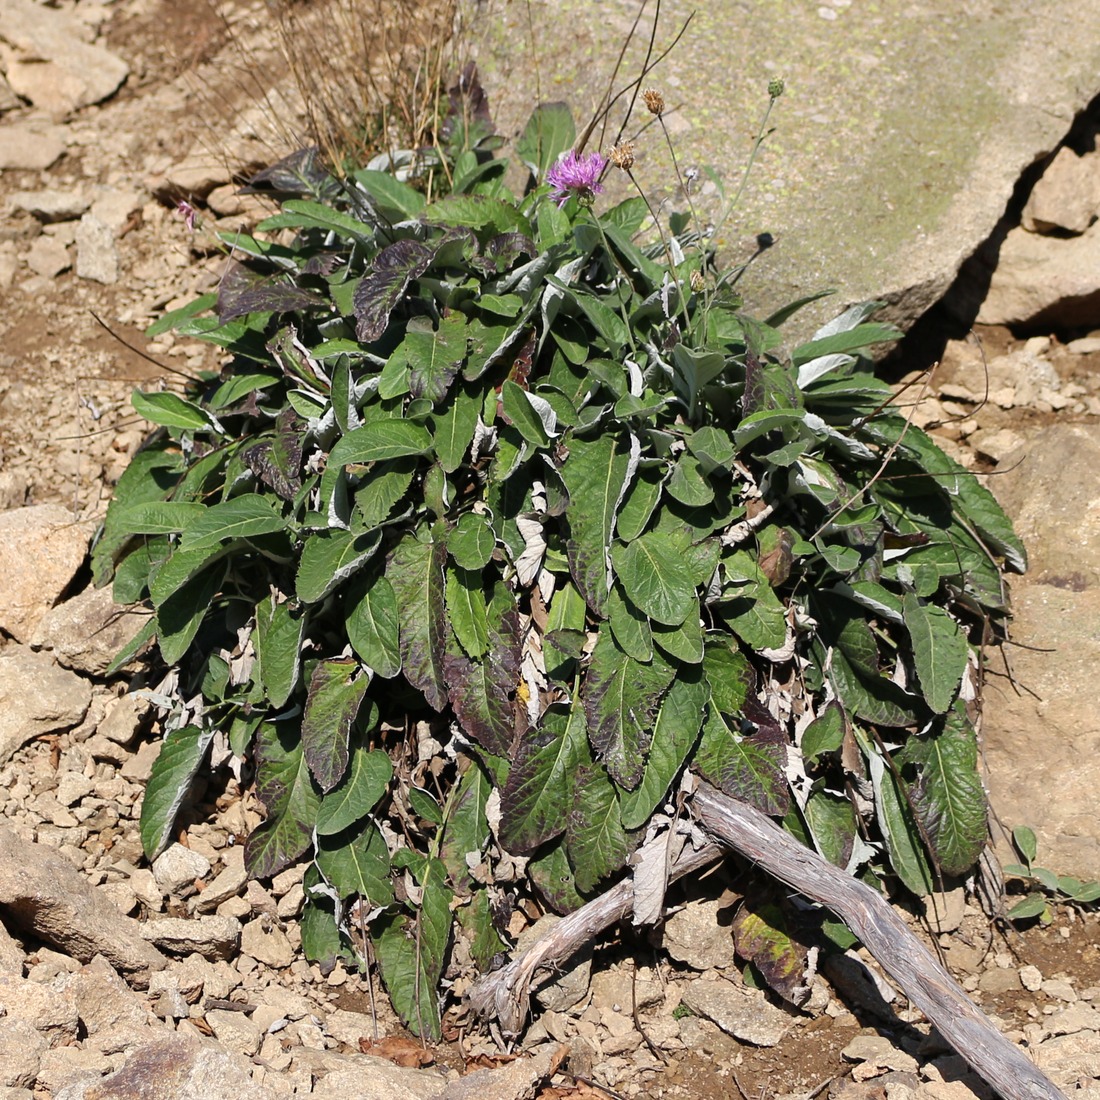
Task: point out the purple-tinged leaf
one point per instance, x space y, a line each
761 936
241 292
748 768
415 570
335 694
598 845
620 702
378 293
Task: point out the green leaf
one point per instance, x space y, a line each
597 843
656 578
453 428
539 794
593 475
380 440
482 692
181 614
549 132
425 806
278 642
320 935
620 700
466 612
181 755
762 937
284 787
629 626
335 694
174 317
1026 844
365 781
947 796
531 415
477 212
466 831
729 675
940 651
357 863
412 950
472 541
832 823
639 503
329 558
371 619
476 920
380 488
907 855
156 517
391 192
678 725
850 340
554 879
748 768
242 517
683 643
876 699
824 734
182 564
749 604
1034 905
433 357
415 570
307 214
171 411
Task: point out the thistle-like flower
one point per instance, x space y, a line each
622 155
574 175
189 214
654 101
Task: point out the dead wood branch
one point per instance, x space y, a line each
898 951
504 994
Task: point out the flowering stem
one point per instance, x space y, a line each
622 305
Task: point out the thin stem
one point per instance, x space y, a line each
761 133
622 305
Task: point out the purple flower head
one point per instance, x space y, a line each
186 211
574 175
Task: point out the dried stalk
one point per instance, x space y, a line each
504 994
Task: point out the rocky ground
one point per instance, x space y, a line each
183 979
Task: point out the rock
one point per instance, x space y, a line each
123 720
999 981
63 1066
616 991
348 1027
173 1068
226 884
36 697
104 1002
41 548
11 954
266 943
113 207
42 892
879 1051
1070 1056
86 632
178 867
97 255
234 1030
21 1049
168 1001
944 912
363 1077
51 206
1031 978
51 1013
212 937
139 767
746 1014
52 65
32 147
696 936
1067 196
48 257
1047 281
520 1078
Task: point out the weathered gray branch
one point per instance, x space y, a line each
504 994
870 917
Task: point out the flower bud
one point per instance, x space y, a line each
775 87
697 281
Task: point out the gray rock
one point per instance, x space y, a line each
41 548
31 146
86 632
1039 280
177 867
52 65
266 943
212 937
37 697
97 255
123 720
695 936
21 1049
41 891
1067 196
51 206
234 1030
879 1051
226 884
746 1014
50 1012
48 257
874 183
174 1068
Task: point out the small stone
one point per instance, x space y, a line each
72 787
123 720
695 936
21 1050
290 904
177 867
225 885
879 1051
1031 978
48 257
1059 989
139 767
999 981
51 206
1085 345
213 937
97 255
266 943
52 1014
746 1014
31 147
235 1030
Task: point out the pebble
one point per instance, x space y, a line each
1031 978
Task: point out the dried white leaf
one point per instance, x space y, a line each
529 563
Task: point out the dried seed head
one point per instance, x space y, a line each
622 155
697 281
654 101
